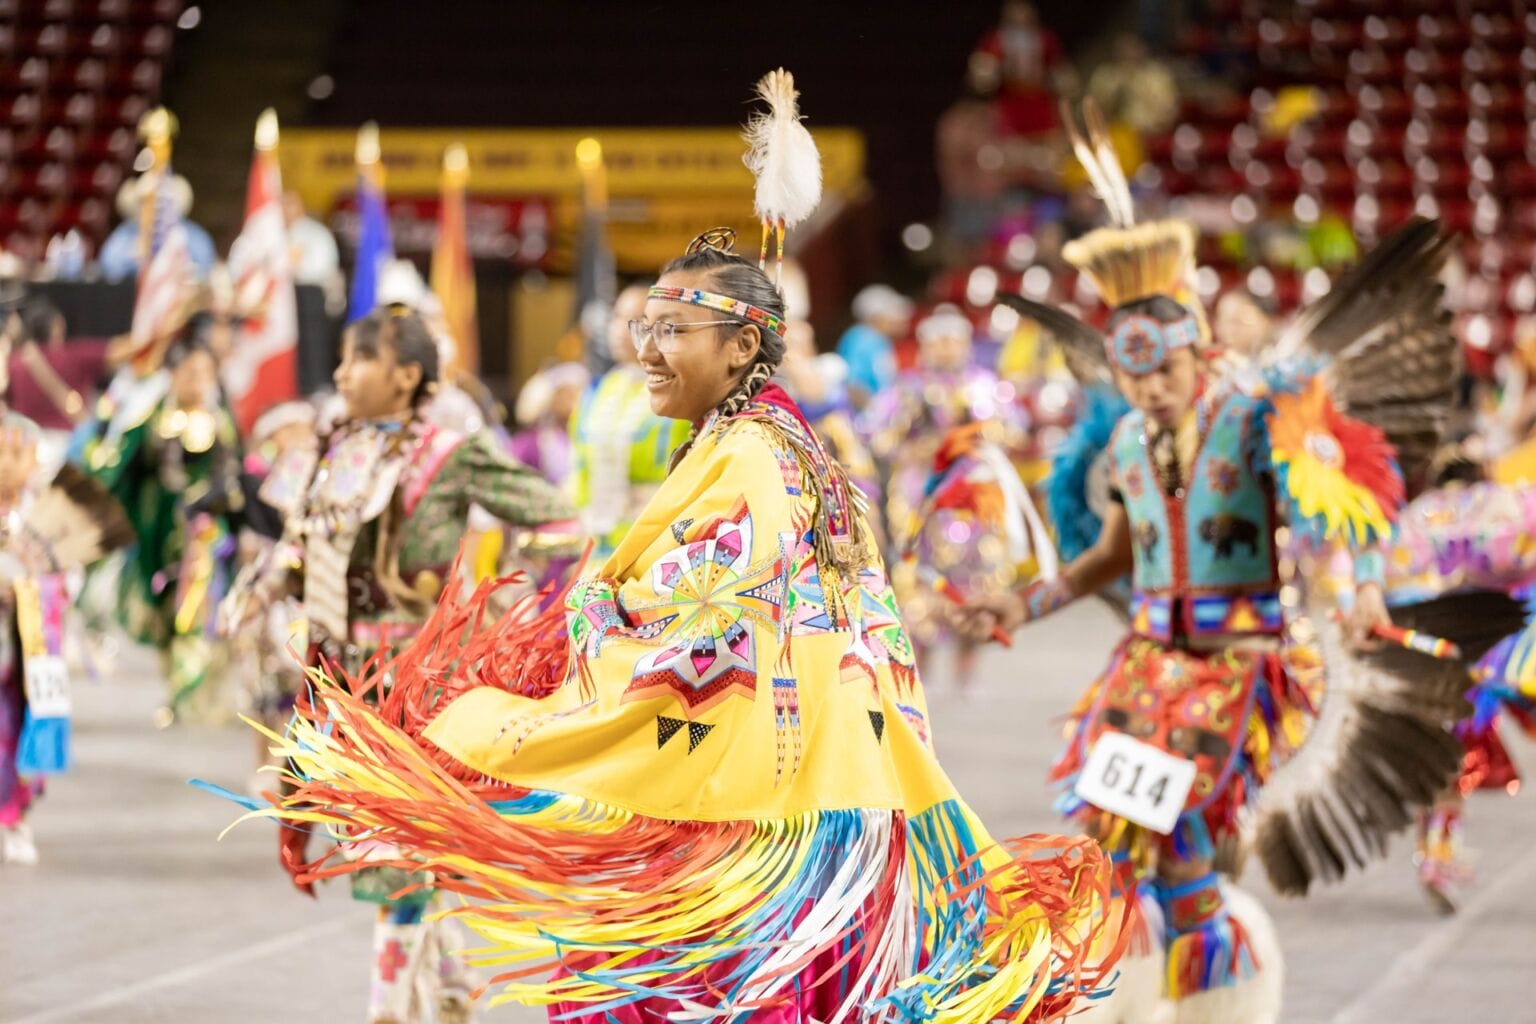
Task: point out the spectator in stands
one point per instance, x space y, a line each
120 252
42 324
311 245
1022 63
1134 88
868 347
1332 241
971 166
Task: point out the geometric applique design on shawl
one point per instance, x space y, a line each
710 601
871 624
810 614
878 636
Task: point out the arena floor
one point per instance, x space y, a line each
138 914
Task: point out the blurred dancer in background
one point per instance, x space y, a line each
545 408
269 677
622 448
174 463
906 424
19 788
373 521
818 383
868 347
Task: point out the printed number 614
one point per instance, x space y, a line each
1136 781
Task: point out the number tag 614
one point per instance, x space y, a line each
1136 781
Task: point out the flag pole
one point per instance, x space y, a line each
595 271
452 271
267 131
367 156
594 175
157 128
367 150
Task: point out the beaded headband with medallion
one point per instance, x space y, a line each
1140 343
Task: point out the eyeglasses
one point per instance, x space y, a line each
665 332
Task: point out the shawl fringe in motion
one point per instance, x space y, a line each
911 916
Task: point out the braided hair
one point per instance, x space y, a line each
731 275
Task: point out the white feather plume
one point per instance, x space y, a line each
781 154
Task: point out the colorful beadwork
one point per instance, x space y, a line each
721 304
1140 344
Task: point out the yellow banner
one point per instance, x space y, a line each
665 185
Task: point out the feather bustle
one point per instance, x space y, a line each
1379 751
75 521
1387 333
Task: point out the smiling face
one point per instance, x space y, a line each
1168 392
372 382
702 364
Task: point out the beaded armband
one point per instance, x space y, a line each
1370 567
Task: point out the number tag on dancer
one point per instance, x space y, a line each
1136 781
47 685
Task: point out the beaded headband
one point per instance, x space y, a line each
1140 344
721 304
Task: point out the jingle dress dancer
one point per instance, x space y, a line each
373 521
709 788
908 423
620 447
1202 698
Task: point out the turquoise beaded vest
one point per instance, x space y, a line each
1205 553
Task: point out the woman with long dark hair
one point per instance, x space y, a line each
715 788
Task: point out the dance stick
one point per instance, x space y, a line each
948 590
1413 640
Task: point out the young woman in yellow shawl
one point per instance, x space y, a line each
706 789
712 790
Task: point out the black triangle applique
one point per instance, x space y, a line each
696 733
680 530
877 722
666 728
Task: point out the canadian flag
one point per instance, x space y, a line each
262 368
